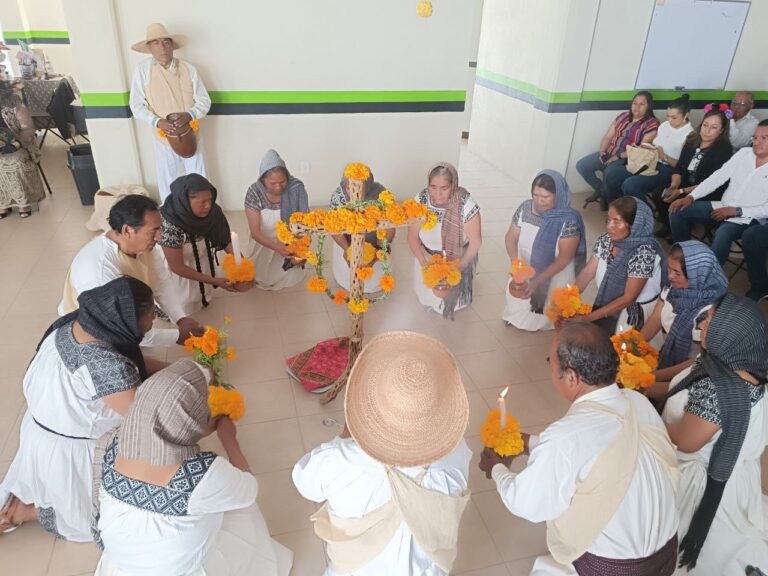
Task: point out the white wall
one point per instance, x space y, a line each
299 45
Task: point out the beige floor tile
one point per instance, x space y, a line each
10 441
308 403
256 365
249 334
533 361
288 305
466 338
267 401
271 446
478 412
521 567
489 306
317 429
73 558
498 570
514 537
283 507
313 327
251 306
476 546
308 553
494 369
26 551
490 283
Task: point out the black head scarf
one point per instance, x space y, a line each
109 313
176 209
736 339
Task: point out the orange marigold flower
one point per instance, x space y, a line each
283 233
231 353
381 234
357 171
340 297
317 284
431 221
225 402
364 273
387 283
243 272
312 258
453 277
358 306
386 197
189 344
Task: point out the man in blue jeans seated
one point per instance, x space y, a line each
755 242
744 203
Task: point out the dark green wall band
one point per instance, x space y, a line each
571 102
37 36
115 105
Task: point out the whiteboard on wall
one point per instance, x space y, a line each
691 43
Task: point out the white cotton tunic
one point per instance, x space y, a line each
99 262
355 484
342 276
269 264
518 310
205 522
64 387
644 264
739 532
433 240
562 457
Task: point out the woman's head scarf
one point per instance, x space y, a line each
707 283
109 313
176 209
736 340
294 197
545 244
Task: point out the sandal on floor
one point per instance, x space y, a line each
6 526
5 214
26 214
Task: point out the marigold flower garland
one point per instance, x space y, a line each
637 360
243 272
210 350
565 303
441 270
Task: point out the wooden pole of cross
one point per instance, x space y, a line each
357 248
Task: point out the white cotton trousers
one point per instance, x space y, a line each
170 166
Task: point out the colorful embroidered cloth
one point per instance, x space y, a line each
319 367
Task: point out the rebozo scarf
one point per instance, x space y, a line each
294 197
706 284
545 243
109 314
615 279
736 339
213 228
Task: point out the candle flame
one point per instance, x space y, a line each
624 347
568 286
504 392
518 263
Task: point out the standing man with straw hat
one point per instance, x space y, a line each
168 94
395 482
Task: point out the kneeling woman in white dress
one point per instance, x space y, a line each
548 235
194 230
717 416
341 272
166 507
628 265
272 198
77 387
457 235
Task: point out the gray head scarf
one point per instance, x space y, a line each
293 199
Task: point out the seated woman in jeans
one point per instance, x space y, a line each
636 126
669 142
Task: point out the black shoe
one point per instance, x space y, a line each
593 198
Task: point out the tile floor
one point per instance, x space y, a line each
283 421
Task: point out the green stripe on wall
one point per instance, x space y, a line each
105 98
531 89
25 34
328 97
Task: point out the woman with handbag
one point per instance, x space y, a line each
651 166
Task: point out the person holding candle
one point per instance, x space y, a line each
342 242
194 229
602 477
458 235
272 198
628 264
549 235
394 484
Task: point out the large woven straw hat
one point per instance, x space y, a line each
157 31
405 403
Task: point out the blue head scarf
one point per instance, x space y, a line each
545 243
615 279
706 284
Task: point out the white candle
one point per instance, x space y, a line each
444 256
503 407
236 248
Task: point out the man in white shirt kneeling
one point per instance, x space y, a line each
128 249
603 477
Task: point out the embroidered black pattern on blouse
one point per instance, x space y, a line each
110 371
171 500
641 265
171 236
702 400
47 519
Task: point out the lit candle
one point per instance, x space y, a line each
445 258
518 263
503 408
236 248
624 350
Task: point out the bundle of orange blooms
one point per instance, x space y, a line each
520 271
210 350
507 442
565 303
441 270
243 272
369 253
637 360
194 125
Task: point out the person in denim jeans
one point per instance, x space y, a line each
755 243
635 126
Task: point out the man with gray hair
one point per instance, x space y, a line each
743 124
603 477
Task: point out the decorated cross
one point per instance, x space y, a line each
355 218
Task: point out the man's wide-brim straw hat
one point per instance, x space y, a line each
157 31
405 403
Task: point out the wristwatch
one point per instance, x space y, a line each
739 212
